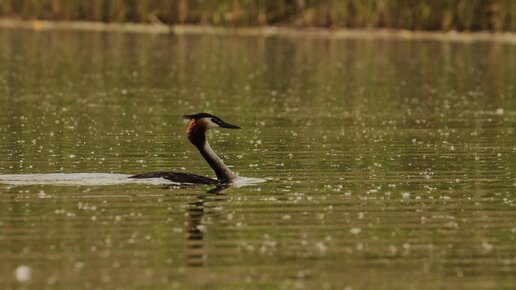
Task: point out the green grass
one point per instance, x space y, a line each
463 15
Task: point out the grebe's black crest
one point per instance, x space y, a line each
197 127
212 118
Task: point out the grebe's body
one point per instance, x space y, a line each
197 127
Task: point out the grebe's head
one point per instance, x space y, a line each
205 121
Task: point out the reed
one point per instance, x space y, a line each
463 15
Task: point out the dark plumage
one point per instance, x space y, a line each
178 177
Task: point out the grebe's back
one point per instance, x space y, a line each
178 177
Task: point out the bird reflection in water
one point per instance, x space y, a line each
195 224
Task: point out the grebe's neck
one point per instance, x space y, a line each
197 136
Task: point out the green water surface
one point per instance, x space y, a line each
389 163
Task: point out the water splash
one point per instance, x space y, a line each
76 179
96 179
241 181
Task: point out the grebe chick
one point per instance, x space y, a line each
196 130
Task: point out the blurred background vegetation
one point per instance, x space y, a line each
462 15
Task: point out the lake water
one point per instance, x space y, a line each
388 163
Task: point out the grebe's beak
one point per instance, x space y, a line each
223 124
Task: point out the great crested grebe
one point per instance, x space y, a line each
197 126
